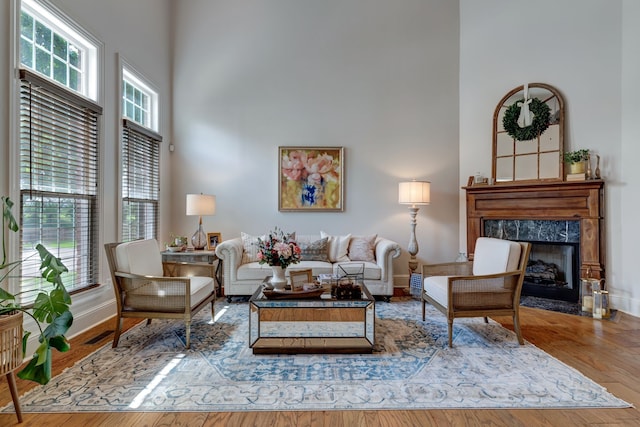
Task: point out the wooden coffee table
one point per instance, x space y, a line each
311 325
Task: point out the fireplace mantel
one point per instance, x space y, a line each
561 200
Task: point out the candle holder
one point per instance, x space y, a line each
586 295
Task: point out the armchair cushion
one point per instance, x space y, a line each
139 257
494 256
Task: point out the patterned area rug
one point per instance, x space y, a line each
411 368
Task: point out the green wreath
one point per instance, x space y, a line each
542 115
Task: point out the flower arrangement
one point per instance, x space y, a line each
279 248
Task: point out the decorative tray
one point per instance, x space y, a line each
271 294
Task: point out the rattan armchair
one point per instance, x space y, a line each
490 289
143 292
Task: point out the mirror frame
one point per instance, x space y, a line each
497 125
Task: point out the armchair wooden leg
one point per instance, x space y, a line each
450 329
116 333
424 303
213 311
14 394
486 319
188 334
516 327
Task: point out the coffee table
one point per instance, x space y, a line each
323 325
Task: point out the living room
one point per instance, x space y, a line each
407 88
409 92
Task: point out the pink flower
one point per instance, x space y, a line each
293 165
283 249
318 168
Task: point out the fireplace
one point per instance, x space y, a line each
563 220
553 270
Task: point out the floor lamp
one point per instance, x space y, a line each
200 204
414 193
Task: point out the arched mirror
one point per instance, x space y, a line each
528 135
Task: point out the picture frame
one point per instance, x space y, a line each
213 239
310 179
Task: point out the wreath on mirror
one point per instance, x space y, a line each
540 123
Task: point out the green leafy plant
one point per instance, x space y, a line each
50 307
576 156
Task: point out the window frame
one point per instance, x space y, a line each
62 24
150 133
59 22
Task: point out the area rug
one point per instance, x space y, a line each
411 368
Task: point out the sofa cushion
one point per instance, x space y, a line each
362 248
250 247
256 271
315 251
338 247
493 256
140 257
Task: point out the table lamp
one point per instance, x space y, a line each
414 193
200 204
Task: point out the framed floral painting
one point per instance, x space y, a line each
311 179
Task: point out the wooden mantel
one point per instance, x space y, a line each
558 200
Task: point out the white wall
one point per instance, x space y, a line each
578 47
376 77
628 293
139 31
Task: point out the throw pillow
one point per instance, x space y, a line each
250 247
362 248
315 251
338 247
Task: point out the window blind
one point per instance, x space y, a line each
140 181
58 183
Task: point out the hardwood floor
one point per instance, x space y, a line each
607 351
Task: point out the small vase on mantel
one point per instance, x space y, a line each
278 279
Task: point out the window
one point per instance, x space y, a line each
140 159
140 182
52 47
58 152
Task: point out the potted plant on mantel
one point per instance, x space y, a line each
50 307
576 160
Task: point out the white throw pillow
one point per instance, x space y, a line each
338 247
250 247
362 248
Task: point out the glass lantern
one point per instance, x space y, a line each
597 304
586 295
601 304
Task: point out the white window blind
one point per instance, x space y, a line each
58 182
140 181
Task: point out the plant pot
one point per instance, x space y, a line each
578 167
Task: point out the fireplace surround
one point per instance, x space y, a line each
557 212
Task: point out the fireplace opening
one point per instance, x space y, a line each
553 271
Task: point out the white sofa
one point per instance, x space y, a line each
242 274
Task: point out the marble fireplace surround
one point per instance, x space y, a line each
542 211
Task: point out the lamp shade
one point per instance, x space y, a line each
201 204
414 193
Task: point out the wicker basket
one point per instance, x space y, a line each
10 342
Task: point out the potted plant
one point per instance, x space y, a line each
51 308
576 160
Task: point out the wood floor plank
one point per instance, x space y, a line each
607 351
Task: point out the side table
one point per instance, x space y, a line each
191 262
